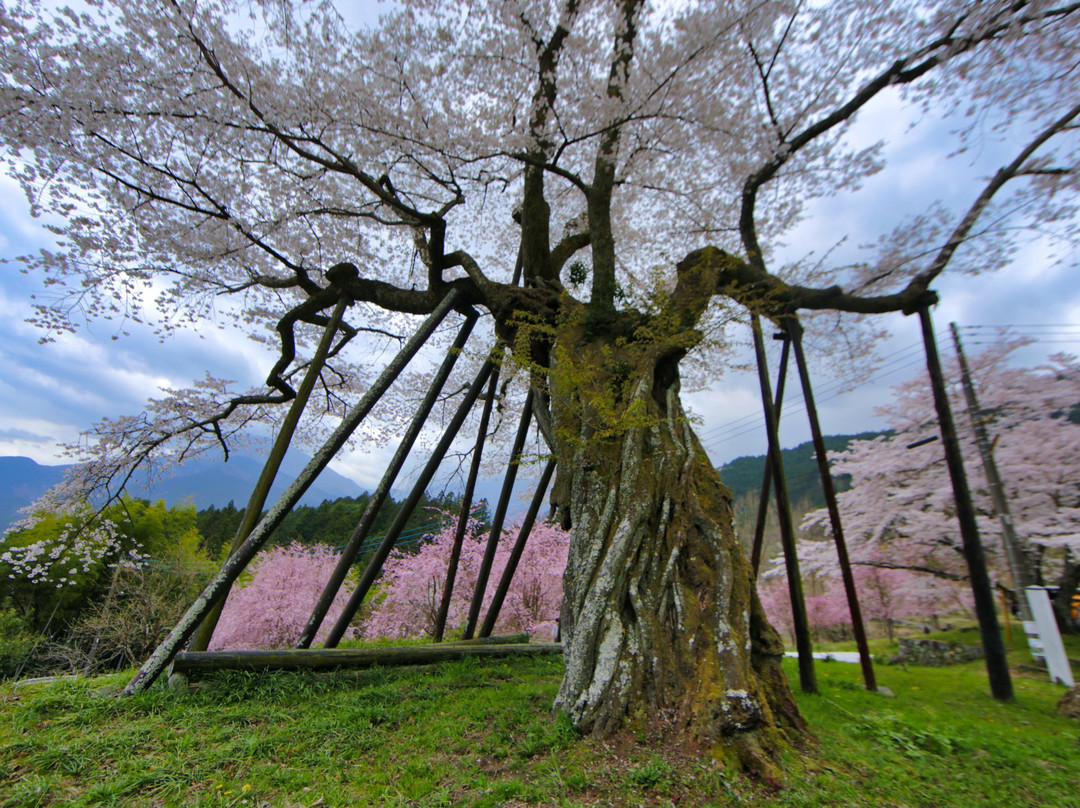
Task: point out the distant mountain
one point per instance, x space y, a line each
743 474
21 482
205 481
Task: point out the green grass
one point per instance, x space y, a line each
482 733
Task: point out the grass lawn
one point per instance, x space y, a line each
481 733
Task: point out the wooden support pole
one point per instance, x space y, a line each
499 518
382 492
215 590
1013 550
807 676
997 666
270 468
518 548
375 565
466 510
795 332
767 474
186 664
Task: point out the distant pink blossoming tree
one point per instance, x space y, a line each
408 596
272 608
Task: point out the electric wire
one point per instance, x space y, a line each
909 356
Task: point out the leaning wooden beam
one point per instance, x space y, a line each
257 500
807 677
371 510
322 658
466 510
215 590
795 332
767 475
499 518
375 565
997 665
515 553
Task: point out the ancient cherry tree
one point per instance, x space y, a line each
634 165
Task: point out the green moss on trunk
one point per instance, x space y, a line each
661 620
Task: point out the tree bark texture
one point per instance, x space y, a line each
662 627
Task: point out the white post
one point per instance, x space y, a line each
1044 638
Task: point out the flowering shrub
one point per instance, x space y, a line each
63 548
272 608
412 583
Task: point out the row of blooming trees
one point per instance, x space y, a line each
96 588
271 609
899 518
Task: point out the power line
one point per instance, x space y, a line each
900 360
903 358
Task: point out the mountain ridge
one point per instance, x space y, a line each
204 481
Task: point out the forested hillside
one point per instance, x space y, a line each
743 476
203 482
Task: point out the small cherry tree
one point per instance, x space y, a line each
412 584
273 607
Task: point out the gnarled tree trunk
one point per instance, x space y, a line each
662 626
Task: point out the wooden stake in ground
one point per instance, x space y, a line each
997 666
518 548
795 332
382 492
201 640
375 565
466 510
800 623
767 473
499 518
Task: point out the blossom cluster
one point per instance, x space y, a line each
271 609
81 543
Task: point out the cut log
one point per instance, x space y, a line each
189 663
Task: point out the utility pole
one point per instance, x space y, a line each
1015 556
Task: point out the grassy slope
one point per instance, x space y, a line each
471 733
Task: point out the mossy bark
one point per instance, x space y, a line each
662 626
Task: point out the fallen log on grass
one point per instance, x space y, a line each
194 662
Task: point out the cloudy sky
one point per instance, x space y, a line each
51 392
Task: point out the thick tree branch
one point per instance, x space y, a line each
769 296
1003 175
565 250
905 70
599 197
